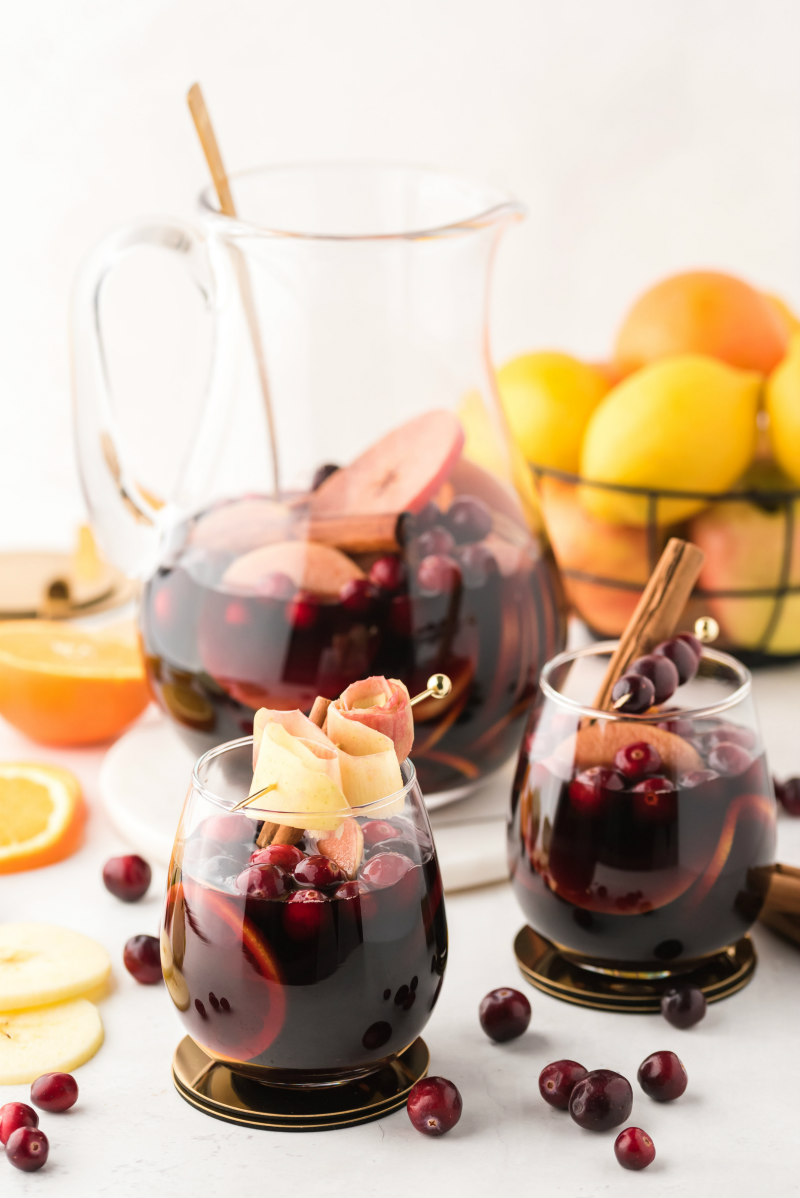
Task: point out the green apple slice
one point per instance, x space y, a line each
368 762
301 780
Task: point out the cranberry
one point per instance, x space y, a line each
662 673
693 778
662 1076
401 615
637 691
231 828
504 1014
377 830
54 1092
303 912
683 1006
303 611
388 573
14 1115
286 856
434 1105
346 890
469 519
682 656
689 639
558 1080
634 761
435 540
603 1099
655 798
358 596
262 882
677 726
318 871
734 734
127 877
321 473
277 586
634 1149
788 795
438 574
142 957
385 869
478 564
729 759
588 790
427 516
27 1149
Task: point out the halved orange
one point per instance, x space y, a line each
63 685
41 815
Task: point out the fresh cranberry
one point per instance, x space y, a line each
677 726
504 1014
27 1149
435 540
142 957
277 586
662 1076
693 778
303 611
231 828
634 1149
788 795
358 596
401 615
634 761
55 1092
734 734
729 759
683 1006
347 890
388 573
682 656
469 519
377 830
478 564
286 856
303 912
127 877
603 1099
438 575
427 516
558 1080
321 473
385 869
655 799
637 692
689 639
317 872
589 789
662 673
434 1105
261 882
14 1115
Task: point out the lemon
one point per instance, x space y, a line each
686 423
783 409
548 398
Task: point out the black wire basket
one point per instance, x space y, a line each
750 581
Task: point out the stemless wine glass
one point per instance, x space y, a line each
640 846
281 966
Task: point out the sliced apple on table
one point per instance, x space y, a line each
42 964
51 1039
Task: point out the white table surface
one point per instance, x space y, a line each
732 1133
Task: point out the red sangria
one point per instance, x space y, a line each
642 842
410 560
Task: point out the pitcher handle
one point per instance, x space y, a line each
129 522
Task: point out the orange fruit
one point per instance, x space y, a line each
41 815
62 685
703 312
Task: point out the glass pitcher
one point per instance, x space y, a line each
349 502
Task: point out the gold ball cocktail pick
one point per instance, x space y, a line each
439 687
706 629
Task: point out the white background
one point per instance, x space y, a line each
644 135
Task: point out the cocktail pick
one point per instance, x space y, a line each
219 177
439 687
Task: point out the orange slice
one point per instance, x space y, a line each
68 686
41 815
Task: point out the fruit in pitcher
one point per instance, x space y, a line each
319 569
702 312
42 964
686 423
54 1038
548 398
42 815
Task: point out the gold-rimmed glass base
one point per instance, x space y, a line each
215 1089
546 967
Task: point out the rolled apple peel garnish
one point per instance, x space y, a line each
382 704
297 777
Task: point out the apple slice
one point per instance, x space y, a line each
303 782
399 473
240 525
295 723
383 704
368 762
598 743
468 478
345 846
314 567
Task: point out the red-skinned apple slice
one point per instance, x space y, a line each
399 473
345 846
598 744
320 569
241 525
468 478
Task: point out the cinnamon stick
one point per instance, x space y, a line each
374 532
658 611
282 833
781 910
